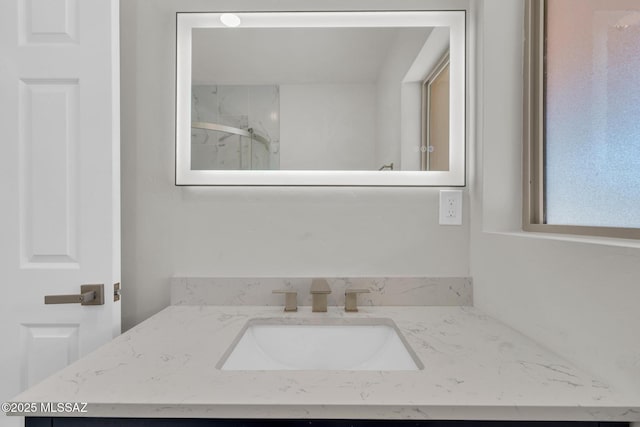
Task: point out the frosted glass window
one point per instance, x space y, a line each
592 113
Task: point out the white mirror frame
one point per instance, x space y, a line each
456 176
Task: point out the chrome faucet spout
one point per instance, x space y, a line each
319 291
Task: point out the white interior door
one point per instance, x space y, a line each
59 183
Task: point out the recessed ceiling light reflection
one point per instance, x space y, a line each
230 19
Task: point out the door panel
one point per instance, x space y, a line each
48 185
48 21
45 349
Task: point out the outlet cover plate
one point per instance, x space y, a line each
450 207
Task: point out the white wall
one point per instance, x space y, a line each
389 86
410 125
578 297
327 127
262 232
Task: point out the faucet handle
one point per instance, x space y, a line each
290 300
351 299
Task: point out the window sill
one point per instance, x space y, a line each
589 240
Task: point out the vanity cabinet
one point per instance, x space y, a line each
199 422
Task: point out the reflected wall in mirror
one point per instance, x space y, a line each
321 98
435 117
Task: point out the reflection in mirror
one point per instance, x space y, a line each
353 98
435 116
312 98
234 127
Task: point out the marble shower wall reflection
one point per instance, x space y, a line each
255 107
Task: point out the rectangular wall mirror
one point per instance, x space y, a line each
321 98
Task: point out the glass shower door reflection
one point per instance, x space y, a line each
220 147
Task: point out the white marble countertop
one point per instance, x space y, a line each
475 368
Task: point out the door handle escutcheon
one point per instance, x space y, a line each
89 295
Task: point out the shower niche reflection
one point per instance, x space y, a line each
235 127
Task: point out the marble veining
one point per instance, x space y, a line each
475 368
404 291
240 106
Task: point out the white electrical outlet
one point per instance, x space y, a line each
450 207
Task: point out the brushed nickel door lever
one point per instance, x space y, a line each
89 295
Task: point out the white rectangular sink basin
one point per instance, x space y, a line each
320 344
